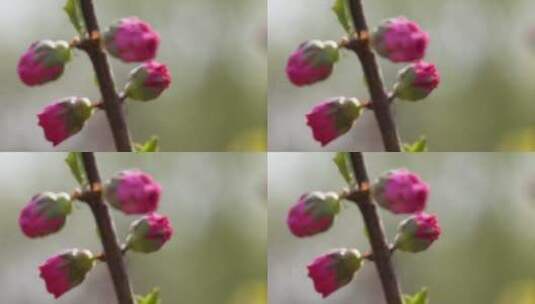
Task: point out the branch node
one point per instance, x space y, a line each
363 36
95 36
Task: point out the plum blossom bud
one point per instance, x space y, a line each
312 62
334 270
44 214
417 81
313 213
44 61
148 81
132 40
65 271
149 233
333 118
400 40
401 191
64 118
133 192
417 233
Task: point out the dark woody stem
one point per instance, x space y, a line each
381 100
111 100
102 257
113 253
381 251
100 104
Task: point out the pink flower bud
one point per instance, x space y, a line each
44 214
64 118
312 62
333 118
401 191
313 213
67 270
417 233
133 192
132 40
148 81
44 61
334 270
400 40
417 81
149 233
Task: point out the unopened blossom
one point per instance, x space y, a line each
133 192
401 191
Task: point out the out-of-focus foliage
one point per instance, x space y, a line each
215 51
485 203
250 293
216 203
519 140
485 97
522 292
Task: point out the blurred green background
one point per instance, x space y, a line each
216 203
485 101
214 49
486 206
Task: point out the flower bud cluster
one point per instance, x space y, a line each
130 191
397 39
403 192
398 191
129 40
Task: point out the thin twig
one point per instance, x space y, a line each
369 255
112 105
381 104
112 250
381 251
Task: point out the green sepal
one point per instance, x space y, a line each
61 54
418 298
346 263
343 13
75 163
74 11
52 53
346 111
80 263
55 205
64 201
152 297
82 111
320 52
322 204
406 239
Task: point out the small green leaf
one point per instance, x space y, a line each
418 298
152 298
150 145
366 233
343 162
342 10
419 145
75 163
74 11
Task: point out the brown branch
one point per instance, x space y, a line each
381 103
112 250
381 251
111 100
